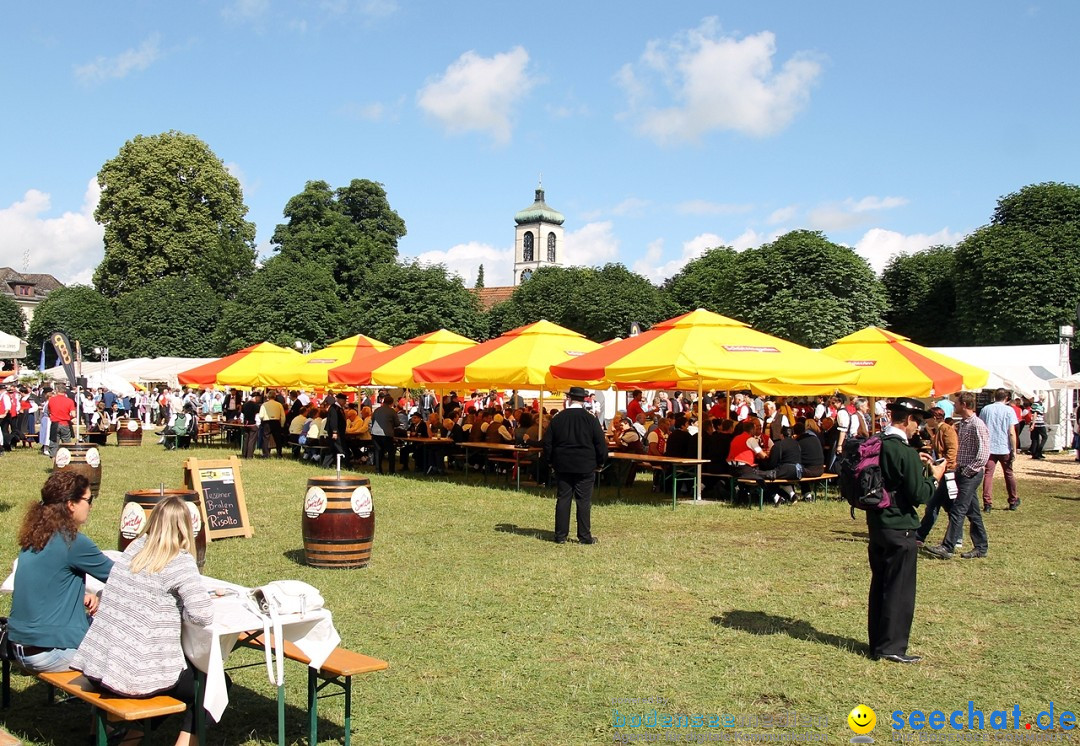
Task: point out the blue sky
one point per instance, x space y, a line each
661 129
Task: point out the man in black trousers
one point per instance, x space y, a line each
575 446
335 430
892 551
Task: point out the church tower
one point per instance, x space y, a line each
538 238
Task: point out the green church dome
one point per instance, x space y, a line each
539 212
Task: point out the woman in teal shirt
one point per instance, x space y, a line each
50 607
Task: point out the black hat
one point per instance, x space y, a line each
907 405
577 393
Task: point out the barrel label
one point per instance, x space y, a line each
63 458
314 502
132 520
132 425
93 457
196 518
361 501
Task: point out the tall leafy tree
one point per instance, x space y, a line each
171 316
1018 278
349 230
1039 207
921 288
12 319
597 302
807 289
283 302
81 312
706 282
402 301
171 209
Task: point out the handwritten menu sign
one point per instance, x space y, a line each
222 492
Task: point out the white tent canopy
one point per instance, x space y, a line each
139 369
11 347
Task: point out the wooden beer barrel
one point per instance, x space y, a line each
136 512
84 458
129 432
339 522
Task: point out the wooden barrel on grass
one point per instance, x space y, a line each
129 432
138 505
338 522
83 458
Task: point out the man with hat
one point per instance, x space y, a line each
574 446
892 551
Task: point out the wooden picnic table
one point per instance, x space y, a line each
507 448
682 470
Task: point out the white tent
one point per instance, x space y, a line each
143 370
1027 370
11 347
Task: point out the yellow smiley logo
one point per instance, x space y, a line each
862 719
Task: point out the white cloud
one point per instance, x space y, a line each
120 66
245 10
653 266
783 215
715 82
465 259
704 207
836 216
479 93
878 245
68 247
592 245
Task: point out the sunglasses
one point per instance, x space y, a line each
89 500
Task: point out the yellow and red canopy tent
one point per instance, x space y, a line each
520 358
893 365
312 371
702 350
394 366
242 368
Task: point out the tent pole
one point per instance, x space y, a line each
700 434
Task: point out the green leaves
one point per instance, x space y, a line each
12 320
80 311
171 209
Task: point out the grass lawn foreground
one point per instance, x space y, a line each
496 635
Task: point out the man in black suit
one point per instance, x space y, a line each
575 446
335 430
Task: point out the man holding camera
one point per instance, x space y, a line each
972 453
892 550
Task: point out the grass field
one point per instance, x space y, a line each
495 635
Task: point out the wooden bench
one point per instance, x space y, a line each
114 706
760 483
337 670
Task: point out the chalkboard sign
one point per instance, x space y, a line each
222 493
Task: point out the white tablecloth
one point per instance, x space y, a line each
209 647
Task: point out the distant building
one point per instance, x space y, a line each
28 290
538 242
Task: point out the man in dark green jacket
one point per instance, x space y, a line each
892 551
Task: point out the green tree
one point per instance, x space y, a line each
81 312
12 320
921 288
402 301
599 303
1017 286
1039 207
171 209
171 317
706 282
479 278
804 288
282 302
349 231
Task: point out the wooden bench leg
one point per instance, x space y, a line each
312 706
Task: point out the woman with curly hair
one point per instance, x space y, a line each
134 648
50 607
